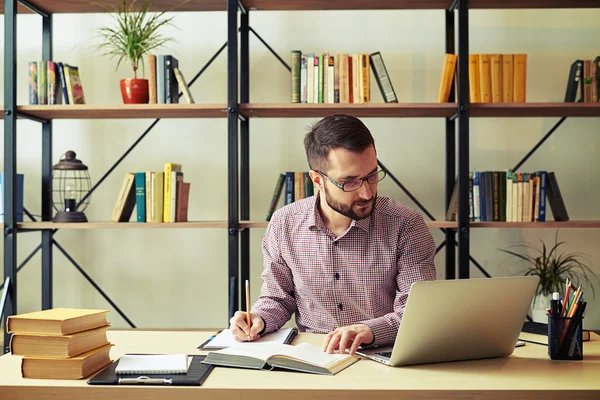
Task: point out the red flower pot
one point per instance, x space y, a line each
135 91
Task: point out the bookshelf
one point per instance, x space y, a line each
239 110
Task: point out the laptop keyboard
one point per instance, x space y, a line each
387 354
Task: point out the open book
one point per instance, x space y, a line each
303 357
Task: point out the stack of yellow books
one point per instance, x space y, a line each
61 343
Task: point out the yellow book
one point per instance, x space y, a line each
497 82
446 78
58 346
520 78
59 321
365 65
77 367
158 181
474 88
125 200
485 78
169 167
507 78
149 198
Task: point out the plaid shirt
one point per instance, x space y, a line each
362 276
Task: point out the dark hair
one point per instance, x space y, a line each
335 131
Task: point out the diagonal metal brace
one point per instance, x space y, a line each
271 50
94 284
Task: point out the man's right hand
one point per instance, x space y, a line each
239 327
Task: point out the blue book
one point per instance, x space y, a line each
289 188
140 196
20 183
541 217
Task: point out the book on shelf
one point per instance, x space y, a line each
62 321
126 200
167 188
140 196
77 367
303 357
279 183
382 78
447 78
573 81
58 346
183 86
183 195
294 186
73 82
497 78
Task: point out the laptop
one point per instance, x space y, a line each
462 319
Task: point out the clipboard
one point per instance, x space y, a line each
196 375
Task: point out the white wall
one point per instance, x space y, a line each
177 277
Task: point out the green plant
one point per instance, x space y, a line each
135 34
553 267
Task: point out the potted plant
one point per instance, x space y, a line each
553 269
135 34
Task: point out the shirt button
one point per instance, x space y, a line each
340 307
335 243
337 276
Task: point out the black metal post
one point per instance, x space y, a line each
244 151
232 157
463 140
47 280
10 160
450 236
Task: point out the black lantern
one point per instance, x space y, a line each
70 189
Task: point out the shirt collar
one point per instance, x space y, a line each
315 220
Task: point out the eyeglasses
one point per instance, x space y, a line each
355 183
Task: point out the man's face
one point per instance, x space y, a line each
344 166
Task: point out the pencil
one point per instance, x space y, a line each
248 308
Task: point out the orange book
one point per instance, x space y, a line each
507 78
520 78
474 84
60 321
497 83
58 346
152 78
485 78
447 77
365 65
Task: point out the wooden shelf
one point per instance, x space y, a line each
535 110
88 6
90 111
454 224
408 110
120 225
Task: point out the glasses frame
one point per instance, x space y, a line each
362 180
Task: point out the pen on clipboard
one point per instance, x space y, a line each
248 308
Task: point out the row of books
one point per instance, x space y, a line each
493 78
298 185
157 196
511 197
50 81
60 343
584 75
165 80
343 78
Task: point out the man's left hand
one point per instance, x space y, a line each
347 337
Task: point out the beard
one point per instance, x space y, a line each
355 210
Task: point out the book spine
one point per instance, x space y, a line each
52 82
543 175
173 84
336 78
303 79
310 78
497 81
383 79
140 196
160 79
485 79
332 81
152 78
42 85
316 79
507 78
63 82
149 197
520 78
474 90
289 188
296 56
276 195
320 78
33 79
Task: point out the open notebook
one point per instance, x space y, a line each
303 357
153 364
225 339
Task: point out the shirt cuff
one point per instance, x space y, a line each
270 324
383 333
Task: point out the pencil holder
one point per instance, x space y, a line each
564 338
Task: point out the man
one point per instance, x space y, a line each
344 259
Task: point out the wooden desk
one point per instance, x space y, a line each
527 374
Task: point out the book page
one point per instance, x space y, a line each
225 339
153 364
305 352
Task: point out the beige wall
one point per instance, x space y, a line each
177 277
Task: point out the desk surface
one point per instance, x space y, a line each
527 373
